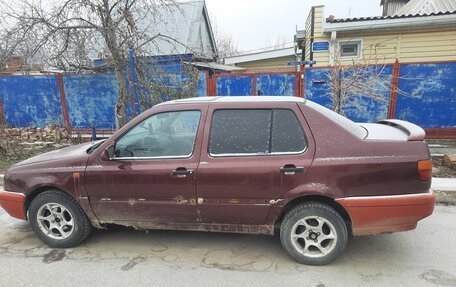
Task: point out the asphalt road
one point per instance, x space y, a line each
122 257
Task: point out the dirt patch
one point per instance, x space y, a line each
445 197
439 170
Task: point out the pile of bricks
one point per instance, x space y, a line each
45 136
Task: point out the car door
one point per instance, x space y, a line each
247 161
152 176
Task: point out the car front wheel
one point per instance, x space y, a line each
58 220
314 234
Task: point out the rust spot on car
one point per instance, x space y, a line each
76 175
180 200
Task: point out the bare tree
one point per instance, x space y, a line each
280 42
365 78
226 44
66 32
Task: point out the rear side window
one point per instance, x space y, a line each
240 132
287 133
255 132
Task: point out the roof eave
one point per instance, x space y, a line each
284 52
401 23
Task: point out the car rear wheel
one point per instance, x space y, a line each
58 220
314 234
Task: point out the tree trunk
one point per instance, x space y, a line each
122 98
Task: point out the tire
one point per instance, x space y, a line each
58 220
314 234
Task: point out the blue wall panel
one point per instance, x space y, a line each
31 100
202 85
359 108
276 85
317 88
91 100
234 86
429 95
362 108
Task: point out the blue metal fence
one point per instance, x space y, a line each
427 97
31 100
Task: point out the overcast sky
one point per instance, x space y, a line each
254 23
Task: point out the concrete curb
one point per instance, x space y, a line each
444 184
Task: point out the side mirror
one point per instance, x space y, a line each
110 151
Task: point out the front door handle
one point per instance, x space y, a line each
182 172
291 169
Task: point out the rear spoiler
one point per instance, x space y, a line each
414 132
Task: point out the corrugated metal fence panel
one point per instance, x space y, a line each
91 100
317 88
202 84
276 84
429 95
362 108
234 85
31 100
359 108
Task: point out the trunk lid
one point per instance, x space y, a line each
397 130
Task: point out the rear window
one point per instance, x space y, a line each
342 121
255 132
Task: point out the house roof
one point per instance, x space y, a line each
277 53
358 19
426 7
215 66
187 23
414 8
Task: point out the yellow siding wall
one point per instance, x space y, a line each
308 36
384 47
320 57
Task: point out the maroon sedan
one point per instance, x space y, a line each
260 165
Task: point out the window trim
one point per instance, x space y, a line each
266 154
162 157
358 42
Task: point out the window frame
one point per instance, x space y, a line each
267 154
357 42
162 157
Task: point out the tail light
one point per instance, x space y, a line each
425 169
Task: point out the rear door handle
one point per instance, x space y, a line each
291 169
182 172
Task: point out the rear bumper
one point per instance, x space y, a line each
13 203
386 214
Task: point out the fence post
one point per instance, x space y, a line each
394 88
254 82
211 85
299 82
133 94
66 118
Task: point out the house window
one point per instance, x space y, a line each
350 49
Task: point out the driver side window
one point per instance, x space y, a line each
168 134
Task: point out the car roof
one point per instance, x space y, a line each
238 99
